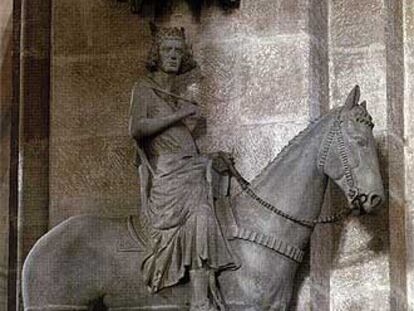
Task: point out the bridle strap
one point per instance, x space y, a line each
269 241
327 143
309 223
336 131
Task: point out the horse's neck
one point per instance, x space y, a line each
292 182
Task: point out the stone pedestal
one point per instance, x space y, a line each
407 143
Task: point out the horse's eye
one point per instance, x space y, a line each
361 141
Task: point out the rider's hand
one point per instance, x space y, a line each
189 110
221 161
227 157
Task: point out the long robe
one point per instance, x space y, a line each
179 204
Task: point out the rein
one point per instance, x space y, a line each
309 223
276 244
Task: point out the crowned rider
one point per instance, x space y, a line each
178 202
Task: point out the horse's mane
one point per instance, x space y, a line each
296 140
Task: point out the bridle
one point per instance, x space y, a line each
352 193
336 131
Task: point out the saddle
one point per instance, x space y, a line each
138 237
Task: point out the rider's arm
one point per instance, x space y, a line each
141 126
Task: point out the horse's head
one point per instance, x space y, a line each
348 155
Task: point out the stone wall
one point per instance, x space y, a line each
408 147
257 65
6 46
98 50
266 70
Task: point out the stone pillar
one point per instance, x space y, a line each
408 141
34 136
6 139
320 247
9 123
396 167
358 55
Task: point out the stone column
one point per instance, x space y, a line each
34 136
396 167
6 140
408 144
320 247
9 123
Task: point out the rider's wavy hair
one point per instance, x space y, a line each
158 34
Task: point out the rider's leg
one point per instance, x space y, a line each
215 291
199 279
200 282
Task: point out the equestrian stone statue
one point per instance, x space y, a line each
90 260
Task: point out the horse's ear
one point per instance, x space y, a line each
364 104
353 98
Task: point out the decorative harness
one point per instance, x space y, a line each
281 246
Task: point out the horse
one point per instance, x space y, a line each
80 264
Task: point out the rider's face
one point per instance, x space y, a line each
171 55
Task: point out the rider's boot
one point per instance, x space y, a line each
200 280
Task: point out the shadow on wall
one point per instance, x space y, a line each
374 227
162 7
373 244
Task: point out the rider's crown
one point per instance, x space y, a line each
163 33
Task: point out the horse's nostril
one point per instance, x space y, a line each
375 200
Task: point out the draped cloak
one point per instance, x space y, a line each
176 197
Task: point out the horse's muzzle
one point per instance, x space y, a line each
367 203
373 201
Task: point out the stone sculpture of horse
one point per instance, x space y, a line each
82 261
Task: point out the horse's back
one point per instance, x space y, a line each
87 258
72 263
